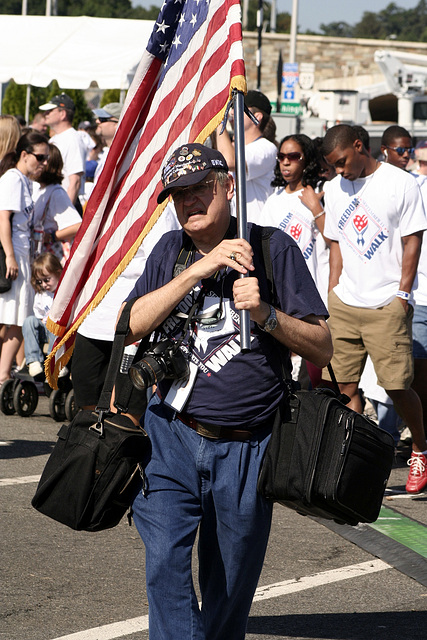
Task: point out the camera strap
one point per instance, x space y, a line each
184 259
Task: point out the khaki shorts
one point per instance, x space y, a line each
385 334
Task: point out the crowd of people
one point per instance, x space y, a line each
350 277
42 194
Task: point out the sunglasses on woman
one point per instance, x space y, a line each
294 156
40 157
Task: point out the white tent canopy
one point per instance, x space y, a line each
34 50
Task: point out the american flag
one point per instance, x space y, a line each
193 60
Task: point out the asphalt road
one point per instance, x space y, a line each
316 584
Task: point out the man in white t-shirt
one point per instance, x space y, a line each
260 154
397 147
59 114
375 219
107 120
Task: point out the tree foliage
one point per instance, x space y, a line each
109 96
15 98
283 20
391 23
98 8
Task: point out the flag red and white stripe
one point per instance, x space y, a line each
181 88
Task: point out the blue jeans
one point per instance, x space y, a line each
388 419
35 336
195 483
419 332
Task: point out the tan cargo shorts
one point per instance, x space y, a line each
385 334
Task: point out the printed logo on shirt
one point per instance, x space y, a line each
214 358
301 231
295 231
362 231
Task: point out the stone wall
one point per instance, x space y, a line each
350 60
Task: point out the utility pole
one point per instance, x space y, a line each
245 10
273 16
259 21
294 28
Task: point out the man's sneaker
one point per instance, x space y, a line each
417 479
406 436
35 369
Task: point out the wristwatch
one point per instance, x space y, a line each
271 322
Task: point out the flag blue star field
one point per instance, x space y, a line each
193 60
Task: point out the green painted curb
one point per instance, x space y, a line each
410 533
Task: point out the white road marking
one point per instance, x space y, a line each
7 482
134 625
393 494
325 577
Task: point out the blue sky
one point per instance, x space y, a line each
312 13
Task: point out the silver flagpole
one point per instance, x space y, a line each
242 226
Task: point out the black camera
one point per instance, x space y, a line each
163 360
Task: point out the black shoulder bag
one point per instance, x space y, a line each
5 283
323 458
93 473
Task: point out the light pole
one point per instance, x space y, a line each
294 28
259 21
273 15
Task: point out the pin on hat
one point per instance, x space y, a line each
190 164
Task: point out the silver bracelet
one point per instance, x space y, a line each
319 215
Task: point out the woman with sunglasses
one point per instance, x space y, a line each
295 207
56 220
17 169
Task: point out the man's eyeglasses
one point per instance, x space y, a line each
193 191
40 157
102 120
44 280
294 156
401 150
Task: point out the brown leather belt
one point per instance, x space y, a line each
212 431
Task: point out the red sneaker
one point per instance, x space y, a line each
417 479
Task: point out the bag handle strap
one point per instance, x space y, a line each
265 239
122 330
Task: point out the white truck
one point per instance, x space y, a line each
400 99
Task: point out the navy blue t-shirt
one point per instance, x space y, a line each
233 389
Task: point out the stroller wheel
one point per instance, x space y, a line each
25 398
57 405
71 409
6 397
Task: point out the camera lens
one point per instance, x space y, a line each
146 373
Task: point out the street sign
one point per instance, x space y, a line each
306 75
290 75
291 108
290 84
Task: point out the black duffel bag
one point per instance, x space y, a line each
93 472
326 460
